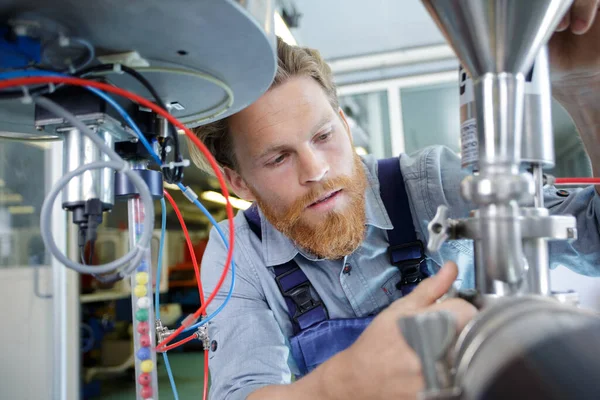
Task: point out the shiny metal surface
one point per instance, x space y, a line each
536 253
99 184
515 325
439 229
501 247
430 335
497 36
538 181
499 100
230 40
537 144
555 227
497 42
569 298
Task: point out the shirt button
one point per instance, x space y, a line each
347 269
213 346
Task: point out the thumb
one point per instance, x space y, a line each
431 289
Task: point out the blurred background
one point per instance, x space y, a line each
398 85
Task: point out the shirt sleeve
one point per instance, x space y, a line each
441 170
248 349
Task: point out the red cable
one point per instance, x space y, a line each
177 344
8 83
196 269
205 394
189 244
577 181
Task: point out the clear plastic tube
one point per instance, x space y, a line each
144 337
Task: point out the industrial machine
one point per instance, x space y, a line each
206 59
527 342
173 63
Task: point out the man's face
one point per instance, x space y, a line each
296 159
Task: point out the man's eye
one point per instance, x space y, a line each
278 160
324 136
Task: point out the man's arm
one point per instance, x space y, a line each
248 349
434 176
249 359
380 364
575 64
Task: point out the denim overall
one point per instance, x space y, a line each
316 337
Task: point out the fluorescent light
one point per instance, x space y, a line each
218 198
20 210
361 151
282 30
10 198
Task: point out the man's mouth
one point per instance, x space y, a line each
325 198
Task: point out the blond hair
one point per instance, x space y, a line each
292 61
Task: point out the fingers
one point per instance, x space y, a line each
564 24
431 289
582 15
462 310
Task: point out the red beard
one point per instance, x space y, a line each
338 234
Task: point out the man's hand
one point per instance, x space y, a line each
380 364
575 67
575 50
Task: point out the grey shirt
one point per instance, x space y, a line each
250 348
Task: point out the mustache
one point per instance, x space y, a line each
315 194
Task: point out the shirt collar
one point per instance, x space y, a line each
279 249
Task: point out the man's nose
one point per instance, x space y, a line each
313 167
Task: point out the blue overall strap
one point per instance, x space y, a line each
304 306
405 251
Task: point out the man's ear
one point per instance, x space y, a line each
345 122
238 185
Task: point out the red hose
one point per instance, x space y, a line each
9 83
177 344
189 244
578 181
205 394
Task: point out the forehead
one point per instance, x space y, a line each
284 113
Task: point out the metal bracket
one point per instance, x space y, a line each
162 332
202 334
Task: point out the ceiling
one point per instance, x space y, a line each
347 28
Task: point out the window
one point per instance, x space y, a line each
431 116
368 117
23 181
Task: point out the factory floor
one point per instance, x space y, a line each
188 370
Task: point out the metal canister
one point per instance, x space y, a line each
537 144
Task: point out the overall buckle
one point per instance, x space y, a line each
408 258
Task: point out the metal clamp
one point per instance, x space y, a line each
162 332
202 335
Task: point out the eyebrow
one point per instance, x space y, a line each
279 147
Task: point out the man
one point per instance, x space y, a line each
320 209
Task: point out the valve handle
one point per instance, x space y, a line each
439 229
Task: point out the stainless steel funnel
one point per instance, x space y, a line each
497 35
